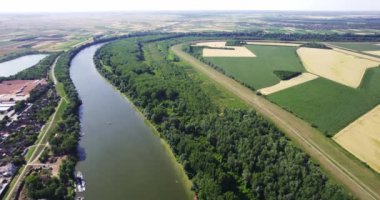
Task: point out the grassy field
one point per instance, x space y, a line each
359 46
258 72
330 106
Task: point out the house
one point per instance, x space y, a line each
17 90
8 170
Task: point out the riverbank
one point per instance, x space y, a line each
178 166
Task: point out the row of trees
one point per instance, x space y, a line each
63 141
228 154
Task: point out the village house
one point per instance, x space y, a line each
15 90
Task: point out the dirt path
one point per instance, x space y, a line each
359 179
52 70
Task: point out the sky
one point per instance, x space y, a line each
152 5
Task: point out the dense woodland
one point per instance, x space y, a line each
229 153
315 45
286 75
235 43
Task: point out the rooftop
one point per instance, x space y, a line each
9 89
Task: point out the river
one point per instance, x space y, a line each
14 66
123 158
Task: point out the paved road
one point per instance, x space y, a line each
363 182
42 142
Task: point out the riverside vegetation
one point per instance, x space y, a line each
227 153
250 161
63 140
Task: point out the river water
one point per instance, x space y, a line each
14 66
123 158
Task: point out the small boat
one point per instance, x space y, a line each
80 182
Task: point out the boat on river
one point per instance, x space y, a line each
80 185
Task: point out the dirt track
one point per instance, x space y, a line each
361 181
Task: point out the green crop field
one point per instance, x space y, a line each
328 105
359 46
258 72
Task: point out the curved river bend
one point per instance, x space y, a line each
123 159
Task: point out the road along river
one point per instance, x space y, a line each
122 157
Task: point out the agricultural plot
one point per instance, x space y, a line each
358 55
235 52
330 106
362 138
376 53
282 85
358 46
219 49
337 66
274 44
258 72
217 44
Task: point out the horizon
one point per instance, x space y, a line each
192 11
72 6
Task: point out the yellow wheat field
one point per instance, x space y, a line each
335 65
233 52
362 138
282 85
275 44
377 53
212 44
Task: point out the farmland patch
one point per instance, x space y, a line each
330 106
376 53
337 66
258 72
219 49
282 85
362 138
275 44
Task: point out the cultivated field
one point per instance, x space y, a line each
233 51
236 52
258 72
330 106
358 55
275 44
217 44
358 46
336 66
282 85
376 53
362 138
